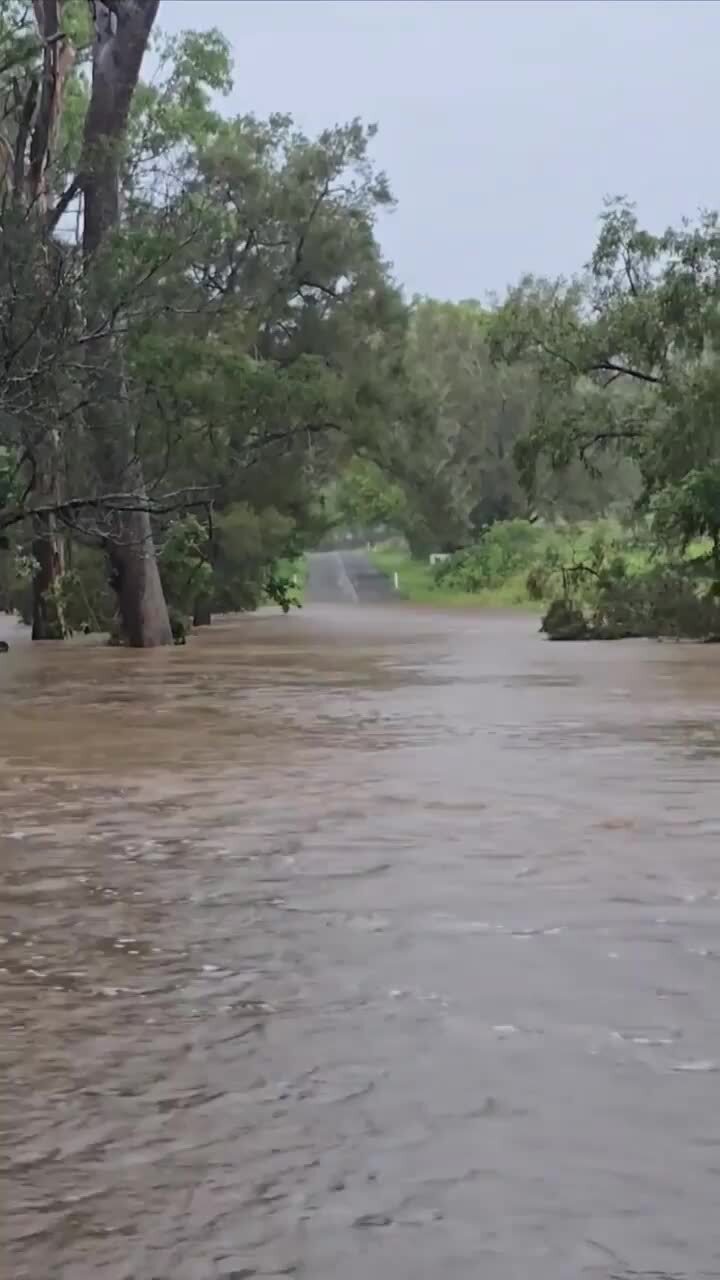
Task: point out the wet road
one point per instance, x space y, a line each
346 577
360 942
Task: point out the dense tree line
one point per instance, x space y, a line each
626 361
195 318
206 364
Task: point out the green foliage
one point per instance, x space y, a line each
627 359
503 550
247 547
364 500
447 448
456 428
281 589
628 362
174 110
88 601
526 564
273 376
185 565
662 602
82 593
689 510
243 291
565 621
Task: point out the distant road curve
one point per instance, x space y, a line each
346 577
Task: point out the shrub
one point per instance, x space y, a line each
662 602
565 621
503 550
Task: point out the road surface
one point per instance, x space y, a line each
346 577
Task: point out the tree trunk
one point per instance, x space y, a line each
48 548
202 615
121 38
48 621
136 579
32 191
58 60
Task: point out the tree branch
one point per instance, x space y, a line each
611 366
178 500
66 199
604 437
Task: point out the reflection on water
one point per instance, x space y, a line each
360 941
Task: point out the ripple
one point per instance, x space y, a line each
309 927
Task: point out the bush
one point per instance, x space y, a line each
565 621
88 601
662 602
247 546
505 549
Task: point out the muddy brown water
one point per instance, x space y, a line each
360 943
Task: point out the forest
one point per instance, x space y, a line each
207 367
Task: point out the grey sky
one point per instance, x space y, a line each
503 123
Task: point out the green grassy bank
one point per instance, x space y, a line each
419 584
517 565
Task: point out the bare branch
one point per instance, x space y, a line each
64 202
611 366
600 438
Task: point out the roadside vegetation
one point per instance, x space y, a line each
517 564
593 580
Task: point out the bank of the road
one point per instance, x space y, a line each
517 564
381 576
418 583
370 577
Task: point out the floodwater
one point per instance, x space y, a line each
362 942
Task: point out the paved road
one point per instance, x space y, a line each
346 577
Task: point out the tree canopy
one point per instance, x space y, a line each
206 363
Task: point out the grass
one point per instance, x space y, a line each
417 583
511 562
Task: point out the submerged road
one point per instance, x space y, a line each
360 942
346 577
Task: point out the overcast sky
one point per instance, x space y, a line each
503 123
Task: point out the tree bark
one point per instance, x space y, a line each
32 188
58 60
48 622
122 31
48 547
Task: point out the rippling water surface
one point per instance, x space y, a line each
360 943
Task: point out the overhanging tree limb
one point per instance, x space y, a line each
180 499
612 366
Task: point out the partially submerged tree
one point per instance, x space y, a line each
33 79
121 34
63 373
